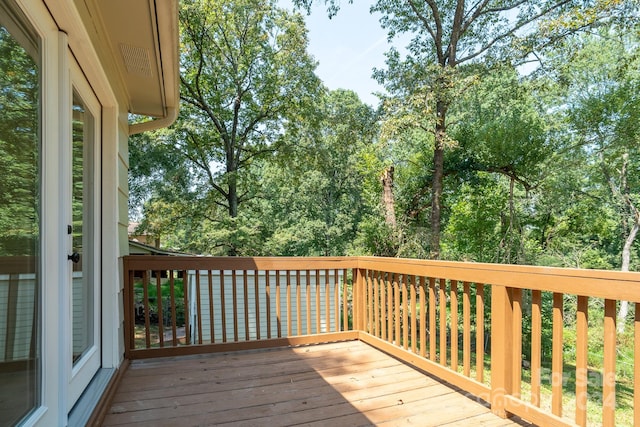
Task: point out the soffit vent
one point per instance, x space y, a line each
136 59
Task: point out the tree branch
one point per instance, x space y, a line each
512 31
435 35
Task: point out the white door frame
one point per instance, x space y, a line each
55 369
80 374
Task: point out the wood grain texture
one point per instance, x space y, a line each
339 384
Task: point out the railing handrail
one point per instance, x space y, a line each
22 264
605 284
155 262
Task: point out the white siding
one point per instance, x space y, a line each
80 313
22 325
310 290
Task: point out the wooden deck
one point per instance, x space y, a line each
340 384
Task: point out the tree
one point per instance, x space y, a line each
245 77
603 109
313 192
19 148
446 35
503 133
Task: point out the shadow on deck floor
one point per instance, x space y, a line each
340 384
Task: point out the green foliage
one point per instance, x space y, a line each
315 192
246 77
19 148
164 299
531 168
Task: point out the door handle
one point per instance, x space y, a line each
75 257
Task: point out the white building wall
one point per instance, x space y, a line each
308 290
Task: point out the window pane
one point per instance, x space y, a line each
19 218
82 208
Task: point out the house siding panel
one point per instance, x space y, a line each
19 328
327 323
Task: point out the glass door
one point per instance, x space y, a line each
20 216
84 352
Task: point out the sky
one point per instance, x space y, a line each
347 47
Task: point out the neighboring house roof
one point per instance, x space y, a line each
137 248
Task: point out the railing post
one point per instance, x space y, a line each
127 306
501 347
358 299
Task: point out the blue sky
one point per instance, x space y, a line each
347 47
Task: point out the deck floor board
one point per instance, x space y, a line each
339 384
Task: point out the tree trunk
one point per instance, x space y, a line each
388 200
436 183
628 243
626 260
232 196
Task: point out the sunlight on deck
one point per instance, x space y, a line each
340 384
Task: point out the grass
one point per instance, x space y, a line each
624 389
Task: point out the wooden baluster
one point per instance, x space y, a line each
609 368
308 294
336 297
345 302
234 291
317 305
267 297
396 310
636 367
479 332
442 283
454 324
432 319
423 318
172 292
383 305
557 355
289 322
327 302
369 300
466 329
582 378
145 302
414 332
129 310
223 309
211 313
198 306
361 298
245 290
187 325
299 303
278 308
159 302
390 307
516 357
256 288
405 312
536 346
376 305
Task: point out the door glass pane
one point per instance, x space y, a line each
82 202
19 217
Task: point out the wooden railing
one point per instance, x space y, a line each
477 326
219 304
